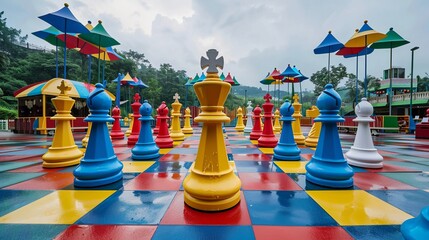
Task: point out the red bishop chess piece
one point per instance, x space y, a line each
116 132
256 131
156 128
163 140
134 136
268 139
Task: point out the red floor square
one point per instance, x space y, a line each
374 181
49 181
251 157
307 156
156 181
267 181
112 232
180 213
36 168
293 233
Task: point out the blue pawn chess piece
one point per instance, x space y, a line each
287 149
417 228
328 167
99 166
145 148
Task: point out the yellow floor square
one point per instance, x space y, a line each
267 150
254 142
292 166
357 207
59 207
164 150
134 166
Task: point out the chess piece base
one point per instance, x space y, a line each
255 135
287 152
311 142
329 174
418 227
366 158
61 157
187 130
145 151
299 139
177 136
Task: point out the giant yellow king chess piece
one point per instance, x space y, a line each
176 132
211 184
296 125
63 152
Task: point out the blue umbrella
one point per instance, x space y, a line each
328 45
118 89
202 77
288 74
64 21
188 84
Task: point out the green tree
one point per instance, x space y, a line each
422 84
320 78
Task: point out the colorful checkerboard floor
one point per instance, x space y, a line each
276 201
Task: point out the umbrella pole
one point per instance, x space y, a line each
99 58
365 80
104 63
186 98
118 91
357 73
390 84
300 97
329 64
89 68
56 57
65 49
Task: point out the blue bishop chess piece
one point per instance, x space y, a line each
328 167
287 149
145 148
99 166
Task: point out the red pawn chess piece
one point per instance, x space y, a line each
268 139
163 140
134 136
256 130
156 128
116 132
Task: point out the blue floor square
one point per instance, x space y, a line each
256 166
130 207
391 232
203 232
245 151
286 208
10 200
8 178
161 166
401 199
30 231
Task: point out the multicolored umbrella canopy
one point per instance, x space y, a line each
195 80
50 35
99 36
268 80
289 72
293 75
139 83
228 79
78 90
392 40
109 55
74 42
127 80
328 45
365 36
65 21
222 77
202 77
235 82
189 82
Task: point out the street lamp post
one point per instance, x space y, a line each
412 125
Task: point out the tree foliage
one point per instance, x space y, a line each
321 78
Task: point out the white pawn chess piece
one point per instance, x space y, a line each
249 123
362 153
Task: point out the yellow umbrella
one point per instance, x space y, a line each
363 38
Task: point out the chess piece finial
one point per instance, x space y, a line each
63 87
212 62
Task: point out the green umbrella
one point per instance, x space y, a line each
235 82
99 36
392 40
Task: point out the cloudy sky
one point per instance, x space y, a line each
254 36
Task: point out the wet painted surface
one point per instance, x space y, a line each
148 203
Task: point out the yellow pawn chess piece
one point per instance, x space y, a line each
187 129
313 135
239 127
63 152
211 184
296 125
277 126
176 132
86 138
130 128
